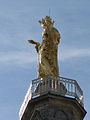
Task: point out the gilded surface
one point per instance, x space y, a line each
47 50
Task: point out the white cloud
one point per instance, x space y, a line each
17 57
69 53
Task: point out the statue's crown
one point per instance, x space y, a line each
46 19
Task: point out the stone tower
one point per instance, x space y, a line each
51 97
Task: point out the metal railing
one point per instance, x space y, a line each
56 85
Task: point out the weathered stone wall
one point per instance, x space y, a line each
51 107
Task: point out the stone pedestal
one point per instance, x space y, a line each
53 107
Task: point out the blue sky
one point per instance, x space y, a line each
18 59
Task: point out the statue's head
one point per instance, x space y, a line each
46 22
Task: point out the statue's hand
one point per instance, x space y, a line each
32 41
36 43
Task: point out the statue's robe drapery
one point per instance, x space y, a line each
47 53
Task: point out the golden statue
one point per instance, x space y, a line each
47 50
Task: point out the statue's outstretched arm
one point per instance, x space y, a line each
36 43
